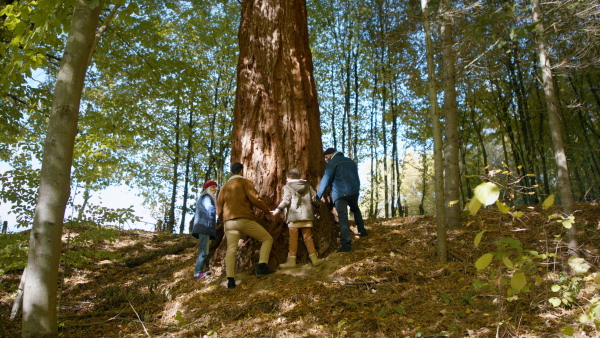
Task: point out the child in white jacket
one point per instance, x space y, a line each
298 199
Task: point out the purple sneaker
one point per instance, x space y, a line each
200 275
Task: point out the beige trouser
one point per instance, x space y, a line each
308 240
233 230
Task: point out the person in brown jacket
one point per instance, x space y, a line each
298 199
234 204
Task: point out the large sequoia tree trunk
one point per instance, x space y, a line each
276 122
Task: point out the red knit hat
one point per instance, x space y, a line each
208 184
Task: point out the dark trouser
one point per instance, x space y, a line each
203 241
341 205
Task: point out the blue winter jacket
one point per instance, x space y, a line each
205 218
341 173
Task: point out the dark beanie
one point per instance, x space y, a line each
236 168
329 151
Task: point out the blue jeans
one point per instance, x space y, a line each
203 248
341 205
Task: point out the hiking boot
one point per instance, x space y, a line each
343 249
230 283
363 234
316 261
262 270
291 263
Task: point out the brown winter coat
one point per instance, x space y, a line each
236 199
299 200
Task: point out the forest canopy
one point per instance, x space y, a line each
156 111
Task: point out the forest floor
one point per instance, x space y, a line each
390 285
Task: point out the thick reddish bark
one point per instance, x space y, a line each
276 122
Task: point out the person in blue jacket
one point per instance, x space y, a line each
205 223
341 173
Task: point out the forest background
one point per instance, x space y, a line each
158 100
156 112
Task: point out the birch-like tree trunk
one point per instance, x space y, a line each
560 157
437 141
40 288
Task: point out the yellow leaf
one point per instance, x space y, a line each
478 238
484 261
548 202
518 281
579 265
487 193
554 301
518 214
597 278
502 207
474 206
508 262
452 203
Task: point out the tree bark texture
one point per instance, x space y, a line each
451 149
560 157
40 291
276 121
437 141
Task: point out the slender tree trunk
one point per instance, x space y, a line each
86 198
347 95
437 141
555 124
40 291
170 226
333 110
424 176
356 101
372 146
276 120
188 163
452 177
394 158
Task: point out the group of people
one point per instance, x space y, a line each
233 207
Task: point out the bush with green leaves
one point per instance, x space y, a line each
518 269
13 251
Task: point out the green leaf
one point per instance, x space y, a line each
518 281
484 261
474 206
538 280
548 202
93 4
502 207
517 214
179 318
567 330
487 193
555 288
478 238
578 265
400 309
508 262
